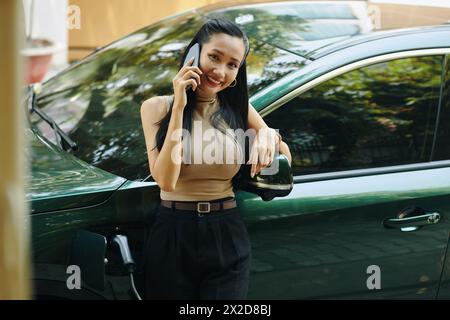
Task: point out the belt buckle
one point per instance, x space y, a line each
201 209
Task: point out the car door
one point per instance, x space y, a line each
368 216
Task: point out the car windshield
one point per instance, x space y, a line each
300 26
97 101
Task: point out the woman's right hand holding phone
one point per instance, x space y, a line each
187 76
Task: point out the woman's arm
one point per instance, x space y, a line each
256 122
164 166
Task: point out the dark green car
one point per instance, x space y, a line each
366 116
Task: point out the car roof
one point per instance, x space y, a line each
429 40
310 29
405 39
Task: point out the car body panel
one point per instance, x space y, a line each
396 40
60 181
115 209
319 241
51 245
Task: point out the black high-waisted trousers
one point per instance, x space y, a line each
197 256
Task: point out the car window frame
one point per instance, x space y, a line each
444 94
280 102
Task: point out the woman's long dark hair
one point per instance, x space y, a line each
233 100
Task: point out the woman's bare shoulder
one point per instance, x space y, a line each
154 107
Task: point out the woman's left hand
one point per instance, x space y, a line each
263 150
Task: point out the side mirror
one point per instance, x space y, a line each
271 182
89 252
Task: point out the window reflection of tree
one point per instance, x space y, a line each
376 116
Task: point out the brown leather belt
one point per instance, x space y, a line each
201 206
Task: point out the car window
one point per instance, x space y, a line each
441 150
300 26
97 102
380 115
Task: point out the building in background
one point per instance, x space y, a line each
104 21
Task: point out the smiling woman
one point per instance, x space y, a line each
97 102
199 246
220 59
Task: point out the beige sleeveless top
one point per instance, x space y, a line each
214 160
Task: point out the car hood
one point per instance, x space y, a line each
57 180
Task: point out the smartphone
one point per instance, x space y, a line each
194 51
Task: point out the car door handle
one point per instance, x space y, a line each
412 222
